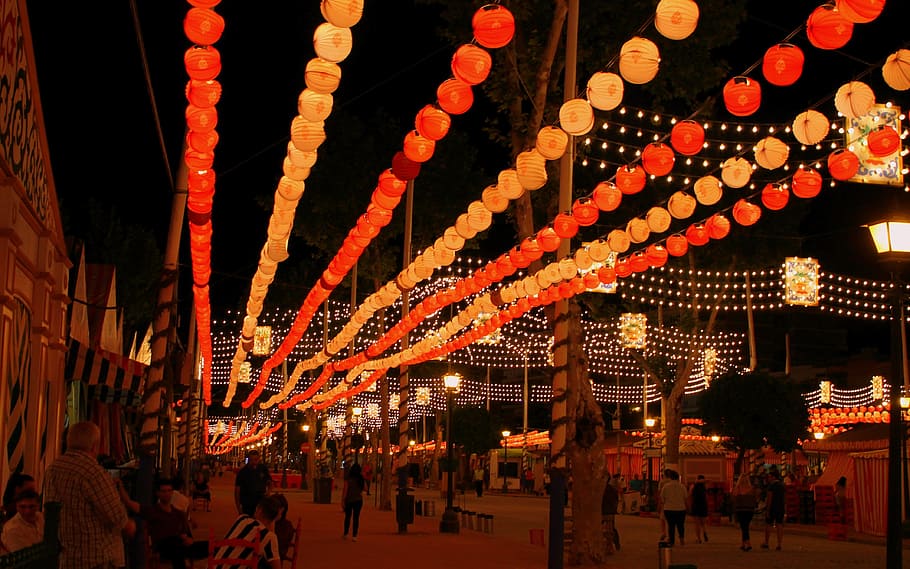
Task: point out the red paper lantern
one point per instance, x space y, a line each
697 235
201 181
202 63
493 26
565 225
201 119
657 255
591 280
203 93
585 212
548 239
378 216
687 137
782 64
807 183
391 185
519 259
677 245
383 200
860 11
606 196
505 266
623 268
471 64
531 249
718 226
883 141
657 159
775 197
742 96
196 160
630 179
432 122
455 96
203 26
202 141
638 262
418 148
843 164
404 168
606 275
827 28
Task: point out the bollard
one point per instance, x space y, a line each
418 508
472 520
664 555
488 523
490 516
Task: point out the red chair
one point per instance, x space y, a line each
215 544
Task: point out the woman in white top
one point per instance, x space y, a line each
673 497
26 528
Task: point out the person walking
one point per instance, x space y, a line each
608 508
252 484
775 507
700 508
744 504
478 480
352 501
673 497
92 517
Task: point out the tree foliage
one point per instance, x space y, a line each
752 410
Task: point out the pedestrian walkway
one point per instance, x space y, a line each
509 546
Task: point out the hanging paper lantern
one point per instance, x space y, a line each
605 91
479 217
391 185
687 137
854 99
493 26
307 135
432 122
681 205
896 70
531 168
827 28
552 142
204 3
657 159
807 183
404 168
342 13
606 275
775 197
509 185
639 60
883 141
860 11
708 190
810 127
606 196
322 76
656 255
658 219
697 235
771 153
471 64
746 213
718 226
203 26
384 201
548 239
599 250
623 268
203 63
565 225
638 262
455 97
418 148
332 43
742 96
630 179
618 241
735 172
493 200
843 164
585 212
196 160
677 245
203 93
676 19
314 106
201 119
576 117
782 64
202 141
638 230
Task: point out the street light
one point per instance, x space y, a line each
892 242
649 424
449 522
505 461
356 438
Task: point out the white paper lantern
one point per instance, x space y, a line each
552 142
342 13
314 106
896 70
810 127
771 153
576 117
639 60
605 91
332 43
531 169
736 172
708 190
854 99
676 19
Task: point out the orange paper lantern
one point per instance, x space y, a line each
676 19
742 96
718 226
639 60
854 99
342 13
471 64
404 168
203 26
687 137
332 43
322 76
565 226
202 141
201 119
418 148
455 96
681 205
630 179
883 141
494 26
677 245
827 28
606 196
657 255
623 268
843 164
860 11
697 235
639 262
746 213
432 122
775 197
203 93
585 212
896 70
552 142
548 239
807 183
782 64
203 63
657 159
391 185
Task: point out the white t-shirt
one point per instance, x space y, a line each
673 495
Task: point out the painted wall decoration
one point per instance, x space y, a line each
18 372
887 170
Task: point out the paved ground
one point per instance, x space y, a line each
509 545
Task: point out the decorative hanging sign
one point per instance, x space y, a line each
262 341
244 376
633 330
394 400
861 131
373 410
423 395
710 365
494 337
801 281
878 388
825 388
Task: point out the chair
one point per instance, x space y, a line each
294 546
216 544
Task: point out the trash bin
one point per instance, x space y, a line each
322 491
404 509
664 555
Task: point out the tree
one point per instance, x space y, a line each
752 410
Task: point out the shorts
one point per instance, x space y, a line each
774 517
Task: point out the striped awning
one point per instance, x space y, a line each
109 377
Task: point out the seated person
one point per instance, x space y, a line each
284 529
17 483
26 528
201 489
263 522
168 527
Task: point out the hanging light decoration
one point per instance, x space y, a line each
676 19
896 70
742 96
494 26
633 330
860 11
810 127
771 153
687 137
605 90
854 99
801 281
782 64
639 60
827 28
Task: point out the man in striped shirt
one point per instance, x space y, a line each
246 527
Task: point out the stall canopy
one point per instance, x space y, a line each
109 377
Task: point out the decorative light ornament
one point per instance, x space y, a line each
633 330
576 117
709 365
455 96
854 99
878 388
896 70
658 219
771 153
883 141
677 245
708 190
630 179
552 142
606 196
775 197
687 137
801 281
810 127
494 26
432 122
471 64
638 230
676 19
860 11
639 60
736 172
423 396
262 341
824 387
394 401
531 168
373 410
681 205
322 76
782 64
618 241
697 235
827 28
314 106
203 63
605 91
742 96
807 183
203 26
244 375
843 164
332 43
657 159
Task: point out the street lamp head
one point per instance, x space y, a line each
891 237
412 442
818 435
306 428
451 381
357 411
905 402
650 422
715 438
506 433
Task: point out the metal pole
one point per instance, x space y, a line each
449 523
750 322
401 461
524 396
894 546
505 465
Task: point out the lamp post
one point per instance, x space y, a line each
356 438
449 522
892 242
649 424
505 461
